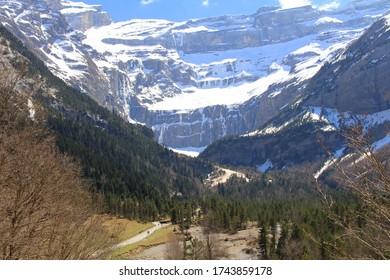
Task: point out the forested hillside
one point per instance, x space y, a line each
76 145
131 174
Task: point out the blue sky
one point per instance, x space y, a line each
180 10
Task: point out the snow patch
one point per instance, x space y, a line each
326 20
31 109
274 67
311 48
78 7
381 143
195 98
274 94
387 18
194 29
189 151
289 4
265 166
330 162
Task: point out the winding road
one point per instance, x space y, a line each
141 236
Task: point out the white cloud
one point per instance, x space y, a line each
330 6
205 3
147 2
288 4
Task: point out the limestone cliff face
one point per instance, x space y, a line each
163 72
85 19
358 82
352 86
131 66
281 25
198 128
44 30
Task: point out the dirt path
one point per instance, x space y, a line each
140 236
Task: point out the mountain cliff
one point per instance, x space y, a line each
42 27
196 81
351 87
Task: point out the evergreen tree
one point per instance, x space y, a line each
280 249
272 249
263 241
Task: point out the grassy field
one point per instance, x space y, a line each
119 230
159 237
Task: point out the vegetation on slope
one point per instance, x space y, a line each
45 202
131 174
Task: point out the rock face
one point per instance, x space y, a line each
83 17
45 30
286 24
358 81
197 81
352 86
173 72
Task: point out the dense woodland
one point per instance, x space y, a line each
129 175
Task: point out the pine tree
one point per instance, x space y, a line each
272 249
280 250
263 242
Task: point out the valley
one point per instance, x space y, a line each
259 136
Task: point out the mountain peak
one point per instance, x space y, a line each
81 16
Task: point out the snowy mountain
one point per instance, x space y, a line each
42 27
192 82
353 87
197 81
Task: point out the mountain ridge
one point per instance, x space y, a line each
220 96
196 81
319 107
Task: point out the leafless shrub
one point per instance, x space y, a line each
174 248
365 232
45 207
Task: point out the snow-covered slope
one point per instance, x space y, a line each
196 81
43 28
351 89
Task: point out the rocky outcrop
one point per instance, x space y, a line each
45 31
83 19
353 86
358 81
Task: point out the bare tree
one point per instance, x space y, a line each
174 248
198 249
366 175
213 246
45 208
